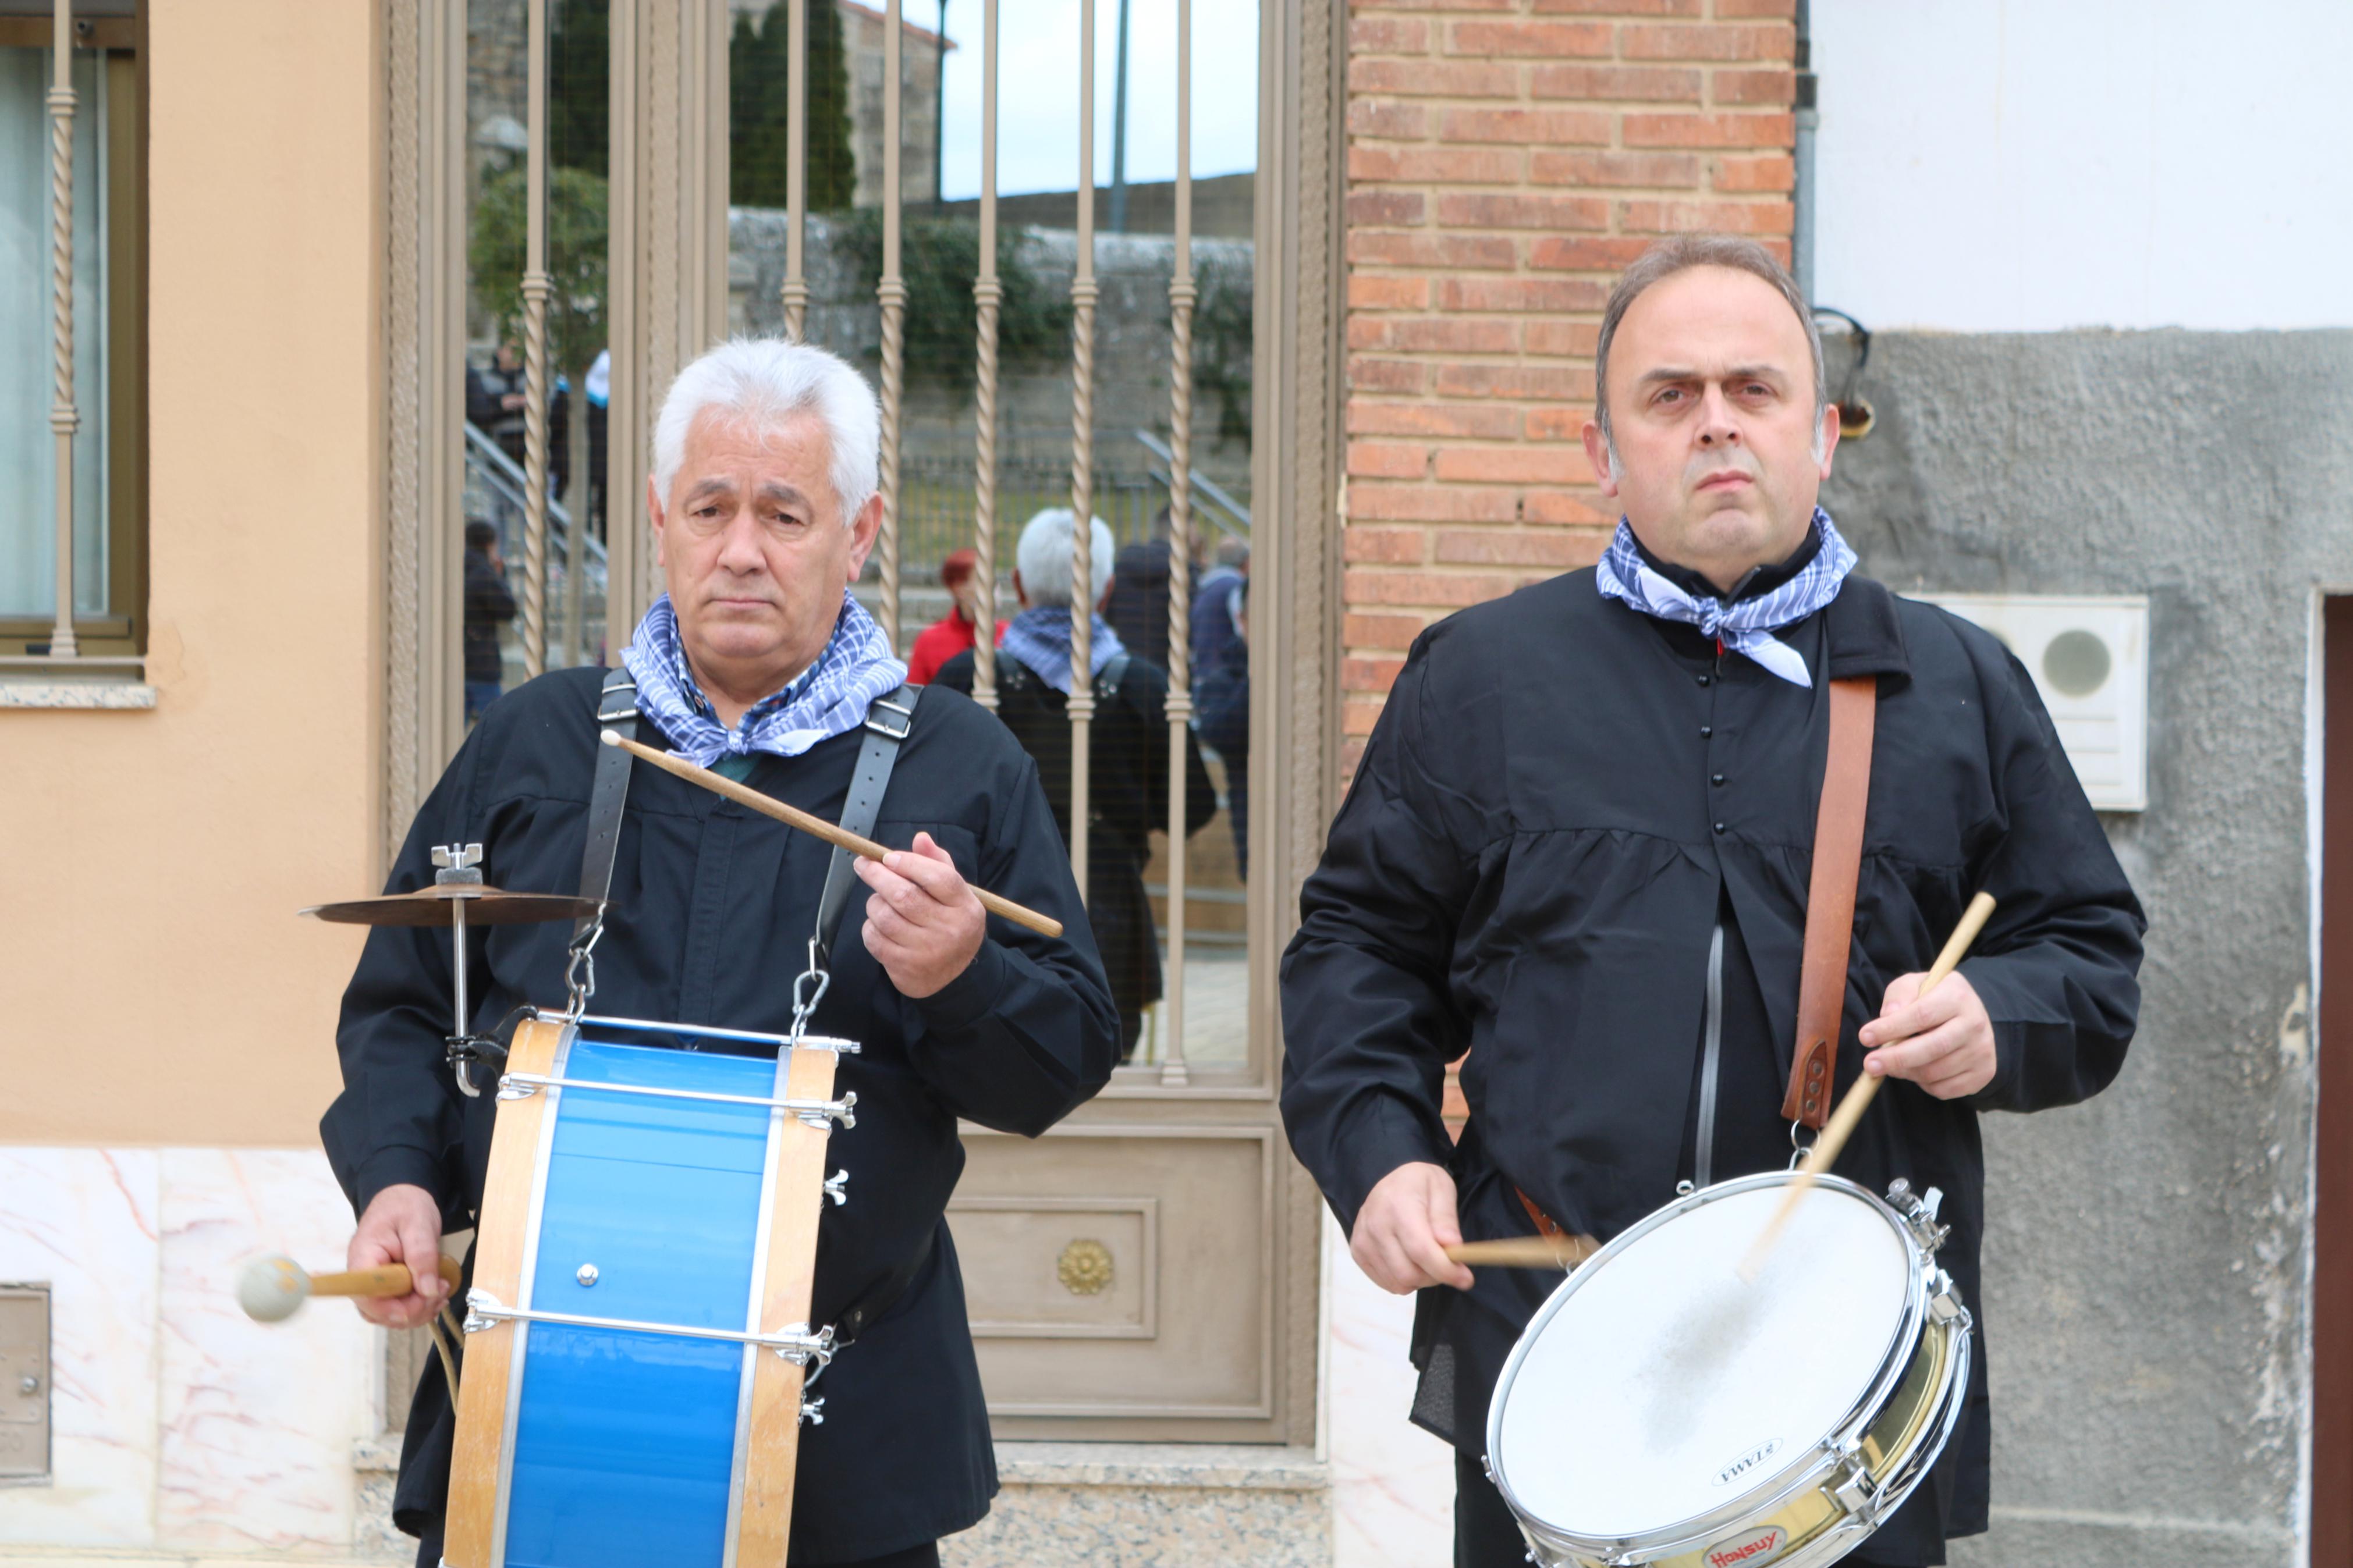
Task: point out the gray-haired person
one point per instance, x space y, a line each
1127 764
756 662
1579 846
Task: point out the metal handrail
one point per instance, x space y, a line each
1205 487
500 472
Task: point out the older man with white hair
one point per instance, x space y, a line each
1127 765
755 662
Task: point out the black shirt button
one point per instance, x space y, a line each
1719 828
1716 780
1706 730
1702 681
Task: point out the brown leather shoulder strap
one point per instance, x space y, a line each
1830 899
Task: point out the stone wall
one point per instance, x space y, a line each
2147 1277
1034 399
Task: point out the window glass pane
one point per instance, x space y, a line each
1036 262
579 163
28 445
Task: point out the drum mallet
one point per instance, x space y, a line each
793 816
1843 1120
270 1288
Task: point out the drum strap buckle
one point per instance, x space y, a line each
1798 1150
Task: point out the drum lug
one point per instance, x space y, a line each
1919 1211
1487 1468
1856 1493
836 1187
1945 1304
818 1118
816 1347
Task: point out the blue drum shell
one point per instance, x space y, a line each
625 1443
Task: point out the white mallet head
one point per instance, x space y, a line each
271 1288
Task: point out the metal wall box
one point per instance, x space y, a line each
24 1386
2089 658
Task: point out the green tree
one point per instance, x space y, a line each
759 111
940 260
576 234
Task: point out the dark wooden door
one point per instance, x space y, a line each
2332 1349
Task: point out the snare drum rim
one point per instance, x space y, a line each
1808 1465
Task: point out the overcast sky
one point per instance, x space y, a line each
1038 91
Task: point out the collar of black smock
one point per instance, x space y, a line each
1758 580
1860 626
1862 634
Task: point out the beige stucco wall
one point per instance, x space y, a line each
154 984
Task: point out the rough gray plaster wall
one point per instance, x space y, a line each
2147 1282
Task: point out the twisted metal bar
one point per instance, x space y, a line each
892 293
795 293
64 419
1182 296
988 296
537 286
1082 457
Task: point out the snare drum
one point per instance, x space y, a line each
1659 1410
635 1329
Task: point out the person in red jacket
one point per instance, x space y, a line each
952 633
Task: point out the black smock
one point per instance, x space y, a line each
712 910
1562 802
1127 802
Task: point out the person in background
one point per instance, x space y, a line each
1213 604
1221 701
598 385
1138 607
495 400
952 633
1127 765
489 603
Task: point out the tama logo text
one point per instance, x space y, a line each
1747 1551
1747 1462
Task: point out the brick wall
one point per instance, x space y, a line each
1506 159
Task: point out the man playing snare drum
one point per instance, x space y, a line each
1578 848
758 664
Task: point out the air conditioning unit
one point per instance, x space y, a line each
2089 658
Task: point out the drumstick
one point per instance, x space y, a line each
794 816
1563 1252
271 1288
1841 1125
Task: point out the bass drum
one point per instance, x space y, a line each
1659 1409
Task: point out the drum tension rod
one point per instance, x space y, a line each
794 1342
814 1112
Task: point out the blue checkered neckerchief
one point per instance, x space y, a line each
830 697
1039 637
1745 626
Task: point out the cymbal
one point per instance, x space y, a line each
485 906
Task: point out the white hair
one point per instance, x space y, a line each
1044 557
764 382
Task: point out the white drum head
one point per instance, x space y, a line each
1663 1388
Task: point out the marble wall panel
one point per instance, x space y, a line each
84 1222
256 1419
1175 1505
1392 1483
